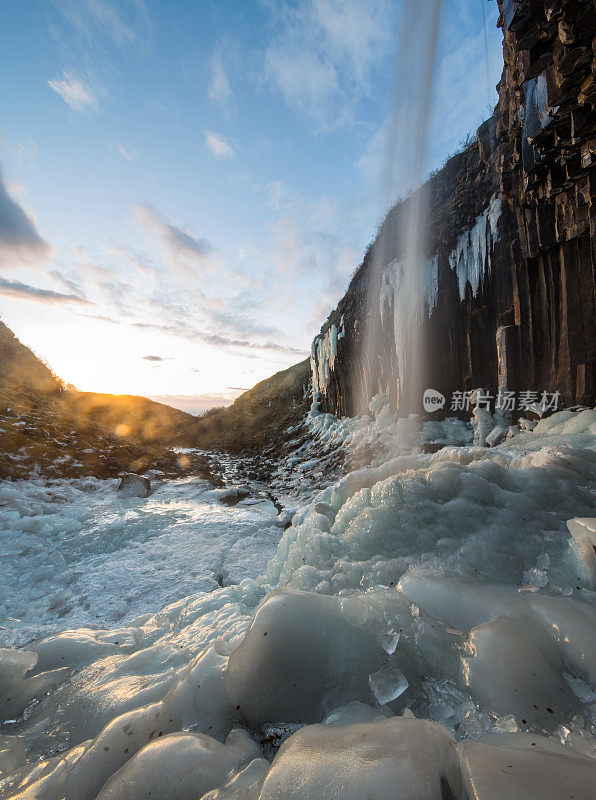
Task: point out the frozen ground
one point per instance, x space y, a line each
79 553
424 630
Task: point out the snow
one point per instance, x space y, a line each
429 613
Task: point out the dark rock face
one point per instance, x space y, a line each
510 236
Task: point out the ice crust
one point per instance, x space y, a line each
403 758
393 624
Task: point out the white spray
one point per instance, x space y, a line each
407 137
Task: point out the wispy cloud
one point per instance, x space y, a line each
183 330
78 95
220 91
122 22
129 153
181 243
23 291
19 240
218 145
324 54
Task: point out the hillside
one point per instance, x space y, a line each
66 433
20 367
259 418
45 429
138 418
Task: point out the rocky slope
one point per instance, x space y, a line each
47 430
258 420
507 290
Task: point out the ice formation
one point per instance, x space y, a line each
404 300
471 258
427 613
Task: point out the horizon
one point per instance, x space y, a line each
187 191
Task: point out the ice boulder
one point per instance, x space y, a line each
396 759
457 603
299 660
132 485
78 648
16 700
117 743
583 544
514 668
242 785
572 626
13 666
525 766
181 766
497 435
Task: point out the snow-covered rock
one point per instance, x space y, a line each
496 436
132 485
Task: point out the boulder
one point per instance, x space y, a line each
133 485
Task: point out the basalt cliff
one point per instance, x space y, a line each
506 290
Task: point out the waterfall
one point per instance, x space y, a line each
403 171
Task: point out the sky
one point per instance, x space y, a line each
186 186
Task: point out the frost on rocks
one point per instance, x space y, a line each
132 485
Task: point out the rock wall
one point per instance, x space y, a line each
506 292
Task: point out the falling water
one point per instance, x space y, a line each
400 244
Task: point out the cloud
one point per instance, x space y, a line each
182 244
129 153
19 240
77 95
70 284
324 53
218 146
122 21
220 91
184 330
195 403
156 358
23 291
24 153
